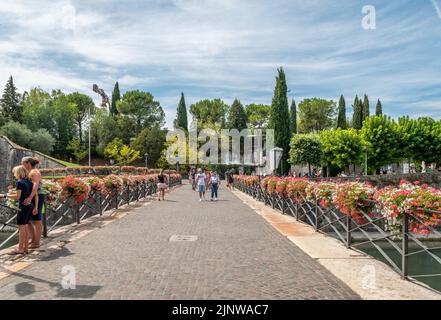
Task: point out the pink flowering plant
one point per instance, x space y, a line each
112 184
324 192
96 184
52 192
296 188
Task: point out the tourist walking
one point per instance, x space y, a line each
201 184
162 185
215 183
23 191
229 179
35 227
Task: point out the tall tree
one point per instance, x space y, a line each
306 149
10 103
279 117
237 118
316 115
357 118
365 107
181 120
293 117
258 115
116 96
83 104
379 108
210 113
142 109
341 120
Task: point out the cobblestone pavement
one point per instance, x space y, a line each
237 255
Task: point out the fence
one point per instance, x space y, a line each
369 233
68 212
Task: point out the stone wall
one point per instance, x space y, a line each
11 155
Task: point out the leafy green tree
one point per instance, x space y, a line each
116 96
316 115
357 118
63 114
17 133
10 103
425 140
142 108
380 136
341 148
181 120
341 119
279 117
365 107
42 141
293 117
258 115
379 108
78 149
83 104
237 117
305 149
150 141
122 153
104 130
210 113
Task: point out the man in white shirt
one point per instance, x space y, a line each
200 180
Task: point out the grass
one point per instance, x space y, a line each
66 163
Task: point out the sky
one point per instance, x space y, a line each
228 49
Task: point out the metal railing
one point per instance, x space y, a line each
68 212
368 232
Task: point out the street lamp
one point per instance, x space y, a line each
146 160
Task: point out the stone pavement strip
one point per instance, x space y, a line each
237 255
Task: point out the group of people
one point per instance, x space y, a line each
201 180
30 196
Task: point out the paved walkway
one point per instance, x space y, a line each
237 255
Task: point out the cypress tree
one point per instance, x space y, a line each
341 120
10 103
237 117
279 117
116 96
379 109
365 107
293 117
181 120
357 118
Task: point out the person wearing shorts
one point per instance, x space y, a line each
161 185
201 184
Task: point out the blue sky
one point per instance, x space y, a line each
228 49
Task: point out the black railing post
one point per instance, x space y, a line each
348 231
116 199
100 204
45 219
77 213
316 215
405 247
296 206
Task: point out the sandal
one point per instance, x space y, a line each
15 253
34 246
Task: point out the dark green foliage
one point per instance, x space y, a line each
341 119
379 108
116 96
357 118
365 107
237 118
181 120
279 117
293 117
10 103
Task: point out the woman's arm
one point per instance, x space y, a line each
36 181
17 195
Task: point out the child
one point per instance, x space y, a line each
24 190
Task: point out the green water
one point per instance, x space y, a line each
419 264
11 242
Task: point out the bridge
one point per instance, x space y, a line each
235 248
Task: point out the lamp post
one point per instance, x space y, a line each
90 129
146 160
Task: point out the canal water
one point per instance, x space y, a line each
420 264
4 235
